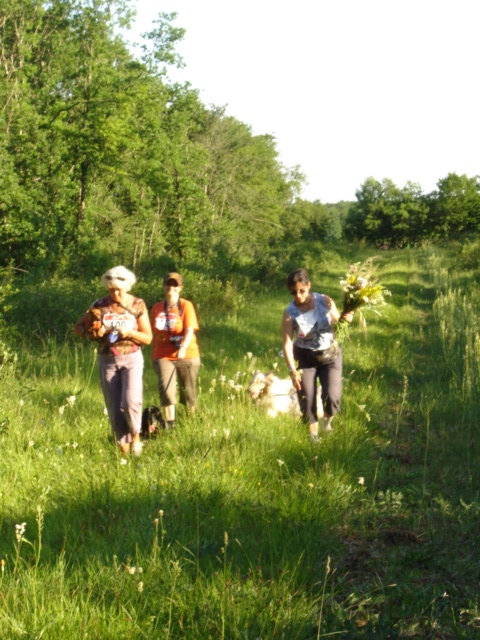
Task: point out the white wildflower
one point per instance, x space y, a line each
61 410
20 530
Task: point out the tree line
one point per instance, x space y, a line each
104 159
384 214
101 155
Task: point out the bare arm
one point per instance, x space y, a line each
80 327
186 341
143 333
287 340
334 313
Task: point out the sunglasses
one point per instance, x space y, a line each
294 292
169 285
116 278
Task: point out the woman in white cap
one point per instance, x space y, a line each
175 348
120 324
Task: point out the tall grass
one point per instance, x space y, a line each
235 525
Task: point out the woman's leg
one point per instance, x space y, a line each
132 395
167 388
187 371
308 399
331 381
111 383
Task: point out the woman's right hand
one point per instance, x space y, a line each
296 378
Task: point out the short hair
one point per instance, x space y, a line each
299 275
118 278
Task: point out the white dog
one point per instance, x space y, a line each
277 395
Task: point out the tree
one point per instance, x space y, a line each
457 204
371 216
247 187
387 215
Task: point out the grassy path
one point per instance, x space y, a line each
235 526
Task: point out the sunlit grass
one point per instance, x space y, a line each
234 525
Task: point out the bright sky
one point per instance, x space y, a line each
349 88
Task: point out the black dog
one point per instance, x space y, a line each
152 422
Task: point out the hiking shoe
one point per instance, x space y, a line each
136 448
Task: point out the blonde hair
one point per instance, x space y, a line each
118 278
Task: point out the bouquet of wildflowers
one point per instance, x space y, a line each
360 289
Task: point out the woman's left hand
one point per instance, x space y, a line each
181 352
348 317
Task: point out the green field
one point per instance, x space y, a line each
234 525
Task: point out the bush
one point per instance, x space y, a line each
48 307
470 255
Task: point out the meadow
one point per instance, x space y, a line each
236 526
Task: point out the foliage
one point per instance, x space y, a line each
100 154
391 217
469 257
104 160
457 204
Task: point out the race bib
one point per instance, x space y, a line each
161 321
116 321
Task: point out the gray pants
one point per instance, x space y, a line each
121 378
330 377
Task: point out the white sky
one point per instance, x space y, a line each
349 88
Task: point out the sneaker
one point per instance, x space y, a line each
136 448
327 426
314 437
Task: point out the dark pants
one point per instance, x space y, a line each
330 378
